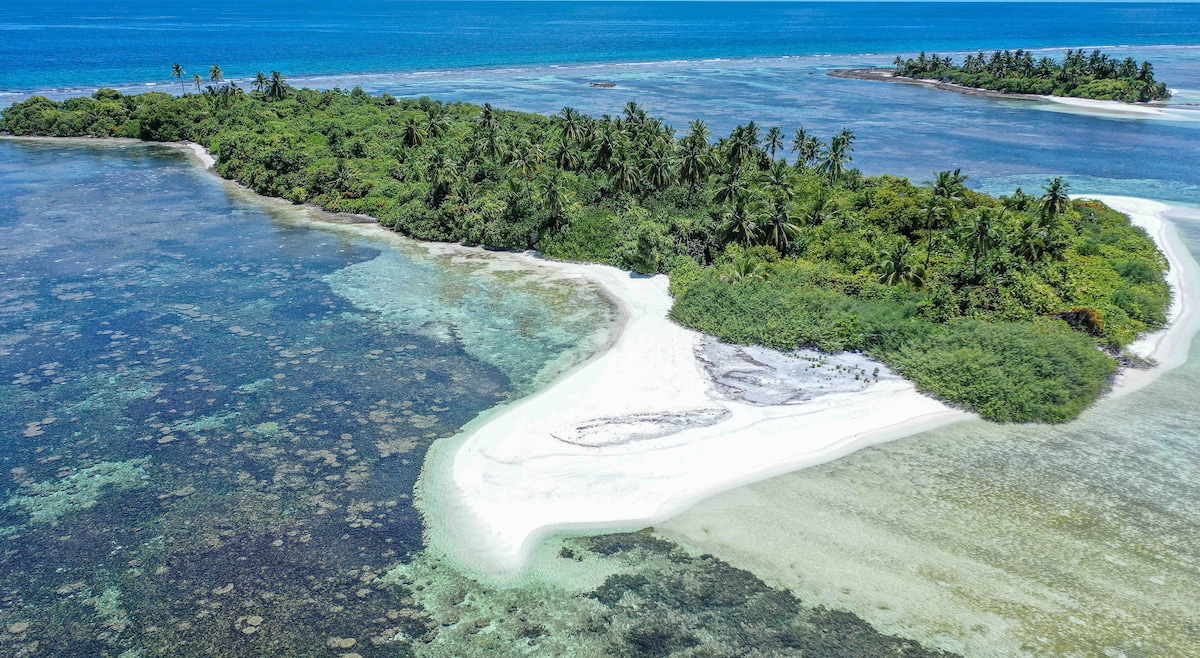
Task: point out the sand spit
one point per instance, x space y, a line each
661 419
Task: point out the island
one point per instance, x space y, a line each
1094 76
1015 308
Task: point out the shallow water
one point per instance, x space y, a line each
203 429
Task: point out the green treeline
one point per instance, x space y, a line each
1095 76
999 305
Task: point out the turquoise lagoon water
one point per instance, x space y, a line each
202 422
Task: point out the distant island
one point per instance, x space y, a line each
1014 307
1093 76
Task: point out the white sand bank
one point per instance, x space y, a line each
636 435
1117 109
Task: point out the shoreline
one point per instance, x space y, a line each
1168 347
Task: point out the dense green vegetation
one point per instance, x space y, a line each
1095 76
994 304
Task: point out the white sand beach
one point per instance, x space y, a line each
1119 110
660 420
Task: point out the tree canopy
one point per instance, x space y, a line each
1095 76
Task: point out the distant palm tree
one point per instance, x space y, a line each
781 229
837 156
197 80
743 268
1032 240
698 133
622 174
779 180
261 82
742 219
412 135
215 74
438 123
1055 201
177 72
554 198
949 189
276 87
799 140
892 267
774 140
658 168
572 125
981 233
822 208
732 187
694 164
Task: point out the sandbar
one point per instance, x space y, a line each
658 421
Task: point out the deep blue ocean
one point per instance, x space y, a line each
70 43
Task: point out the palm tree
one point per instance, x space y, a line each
731 188
774 140
177 72
197 80
981 233
438 123
261 82
694 164
949 186
821 210
488 120
837 156
622 174
892 267
1055 201
553 197
799 141
572 126
780 228
412 135
744 267
565 156
1032 240
810 150
215 74
742 220
779 179
276 89
698 133
658 170
949 189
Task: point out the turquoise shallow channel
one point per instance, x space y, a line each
213 409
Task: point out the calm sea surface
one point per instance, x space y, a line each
213 410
